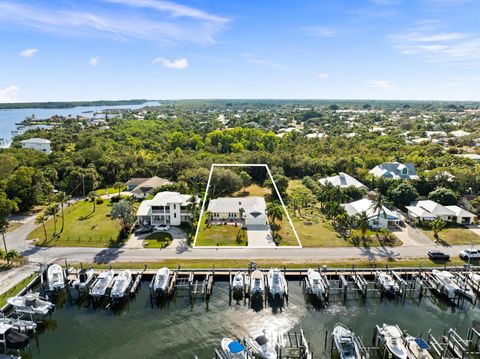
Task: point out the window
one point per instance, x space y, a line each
174 215
405 171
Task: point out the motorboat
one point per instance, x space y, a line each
276 282
316 283
11 338
84 279
121 283
55 277
31 303
345 342
233 349
19 324
417 348
387 283
451 288
103 282
161 280
474 278
393 339
257 283
263 347
238 282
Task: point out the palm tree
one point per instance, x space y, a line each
192 205
275 213
379 208
62 197
242 212
92 196
362 222
41 218
119 186
11 255
52 210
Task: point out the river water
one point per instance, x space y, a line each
9 117
181 330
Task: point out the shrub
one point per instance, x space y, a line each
99 200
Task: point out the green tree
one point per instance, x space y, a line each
41 219
282 184
403 194
20 186
444 196
92 196
224 181
362 222
437 226
62 197
7 207
119 186
275 213
246 180
52 210
11 255
123 211
378 207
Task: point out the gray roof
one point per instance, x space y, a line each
342 180
150 184
394 170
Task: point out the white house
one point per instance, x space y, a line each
462 216
229 209
165 208
39 144
387 217
342 180
394 170
428 210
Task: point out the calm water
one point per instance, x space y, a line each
180 330
8 118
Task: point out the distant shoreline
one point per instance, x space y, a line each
69 104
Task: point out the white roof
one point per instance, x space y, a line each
144 209
460 212
342 180
233 205
366 205
36 140
472 156
419 212
432 207
459 133
166 198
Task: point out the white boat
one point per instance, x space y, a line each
316 283
31 303
84 279
121 283
392 336
233 349
417 348
161 280
257 283
345 342
263 347
475 278
104 280
276 282
55 277
238 281
451 288
388 284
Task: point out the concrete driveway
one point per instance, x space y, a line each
411 237
260 237
179 242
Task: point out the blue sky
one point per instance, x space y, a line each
323 49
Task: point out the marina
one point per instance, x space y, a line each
302 327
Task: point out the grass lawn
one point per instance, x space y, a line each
254 190
221 235
268 263
82 228
285 232
295 185
157 240
454 234
108 190
12 292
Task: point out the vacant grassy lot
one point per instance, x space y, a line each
254 190
220 235
454 234
83 228
157 240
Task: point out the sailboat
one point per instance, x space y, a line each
233 349
345 342
55 277
263 347
257 283
316 283
276 282
387 282
392 336
121 283
103 282
161 281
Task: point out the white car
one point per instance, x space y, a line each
162 227
469 254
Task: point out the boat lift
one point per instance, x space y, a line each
452 346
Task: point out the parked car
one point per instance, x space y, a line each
438 256
469 254
144 229
162 227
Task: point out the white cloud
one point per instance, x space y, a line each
323 76
9 94
381 84
28 52
177 64
253 59
94 61
318 31
164 26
